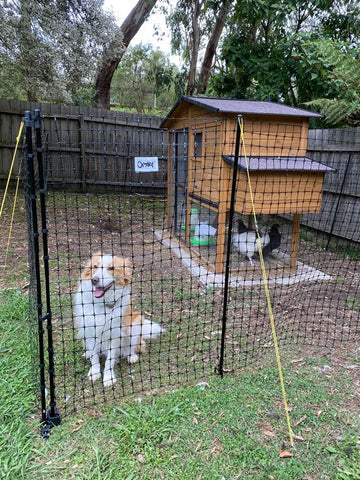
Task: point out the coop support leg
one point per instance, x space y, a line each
220 245
295 239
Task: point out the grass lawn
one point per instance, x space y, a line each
227 428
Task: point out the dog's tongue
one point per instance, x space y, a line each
99 292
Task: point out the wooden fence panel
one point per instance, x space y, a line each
340 149
87 146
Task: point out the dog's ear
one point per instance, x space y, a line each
128 271
87 272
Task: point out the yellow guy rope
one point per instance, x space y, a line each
16 190
266 287
11 167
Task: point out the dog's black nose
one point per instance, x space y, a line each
95 280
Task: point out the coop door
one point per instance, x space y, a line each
180 156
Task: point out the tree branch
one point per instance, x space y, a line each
116 49
211 47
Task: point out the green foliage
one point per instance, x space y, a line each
180 19
196 26
353 303
144 81
45 48
292 52
334 65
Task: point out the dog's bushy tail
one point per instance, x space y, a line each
150 329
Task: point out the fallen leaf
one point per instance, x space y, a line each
273 415
300 420
140 458
286 454
269 433
217 447
80 424
74 430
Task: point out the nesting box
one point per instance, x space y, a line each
271 158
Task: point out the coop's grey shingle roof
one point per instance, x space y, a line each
228 105
291 163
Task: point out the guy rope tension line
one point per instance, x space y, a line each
266 286
16 191
11 167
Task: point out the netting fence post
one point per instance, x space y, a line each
49 417
220 367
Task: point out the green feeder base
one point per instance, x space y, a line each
201 241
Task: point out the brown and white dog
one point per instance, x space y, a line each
106 323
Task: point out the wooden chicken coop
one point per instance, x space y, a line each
202 137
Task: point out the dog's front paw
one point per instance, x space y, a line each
94 373
109 379
133 358
141 346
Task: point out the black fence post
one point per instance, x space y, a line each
220 367
51 417
34 236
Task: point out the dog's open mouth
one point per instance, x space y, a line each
98 292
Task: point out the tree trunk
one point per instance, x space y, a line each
111 60
194 51
211 47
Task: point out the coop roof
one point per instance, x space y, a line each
240 107
290 163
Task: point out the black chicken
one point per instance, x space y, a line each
275 240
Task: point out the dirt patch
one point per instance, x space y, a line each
318 313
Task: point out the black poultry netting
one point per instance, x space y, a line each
153 242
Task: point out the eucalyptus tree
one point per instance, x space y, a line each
144 81
196 27
49 48
114 52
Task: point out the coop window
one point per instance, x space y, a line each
198 141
